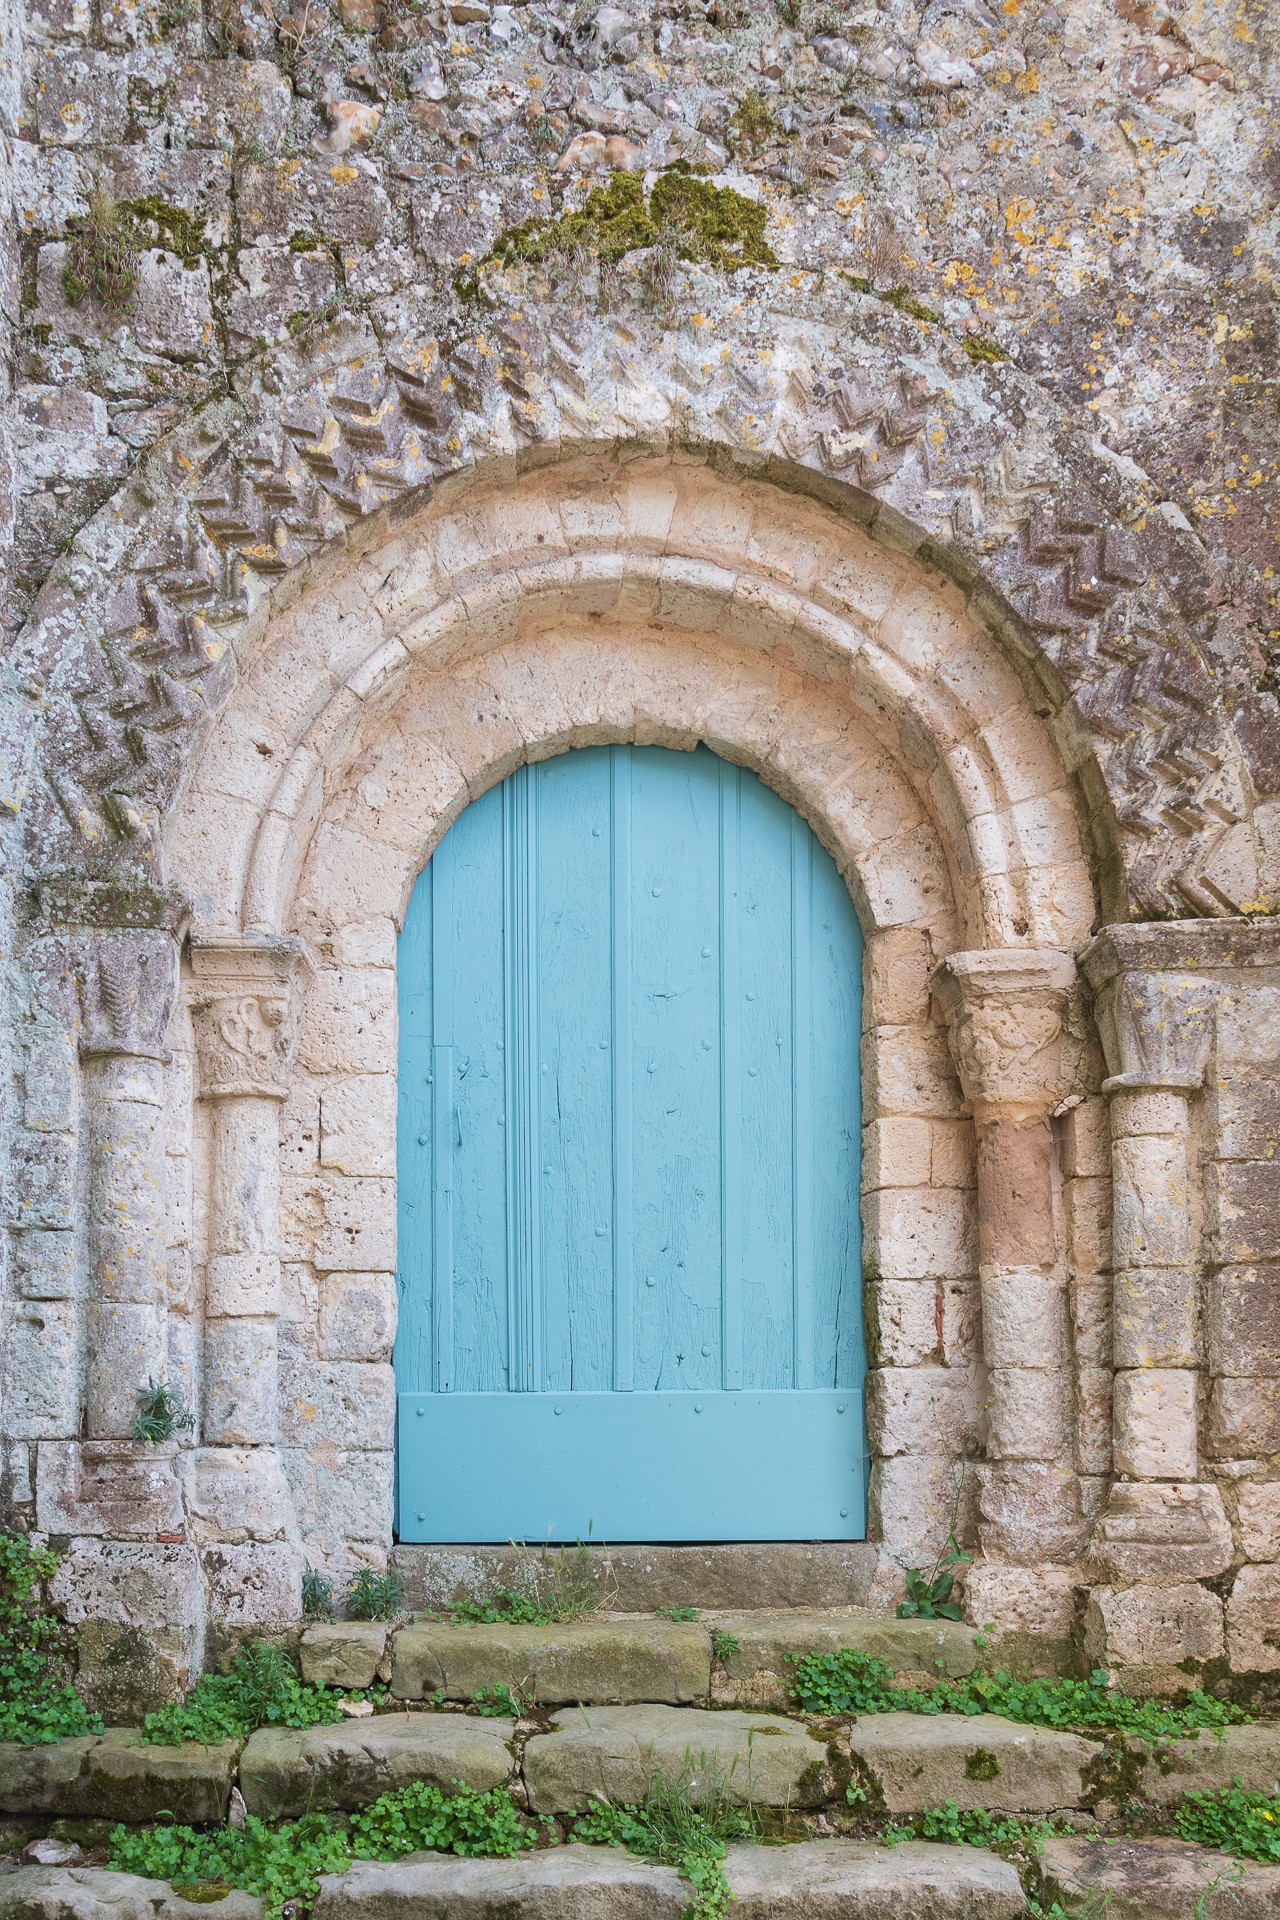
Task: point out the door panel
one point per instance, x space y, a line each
628 1153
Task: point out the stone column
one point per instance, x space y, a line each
127 983
1016 1055
244 1028
1163 1527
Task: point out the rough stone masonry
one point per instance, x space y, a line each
885 396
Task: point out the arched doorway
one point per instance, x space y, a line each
629 1247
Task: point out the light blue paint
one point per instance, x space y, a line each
628 1139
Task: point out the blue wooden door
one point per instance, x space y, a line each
630 1275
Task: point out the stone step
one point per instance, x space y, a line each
284 1773
616 1751
814 1880
627 1658
113 1776
916 1760
640 1579
1159 1879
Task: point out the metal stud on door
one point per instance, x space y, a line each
628 1145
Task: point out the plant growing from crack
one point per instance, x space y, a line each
159 1415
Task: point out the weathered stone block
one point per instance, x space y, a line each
1155 1423
236 1493
171 310
41 1368
81 98
98 1893
45 1265
328 198
347 1654
1024 1320
358 1234
1030 1511
40 1180
357 1316
352 1404
1038 1602
1154 1317
242 1401
920 1233
275 288
358 1124
905 1403
616 1751
258 1584
1244 1419
902 1322
922 1761
1259 1515
580 1660
340 1498
126 1348
1159 1879
218 101
115 1489
1247 1115
1243 1320
44 1779
126 1780
759 1675
1166 1533
1244 1210
1025 1415
1149 1632
1253 1620
284 1773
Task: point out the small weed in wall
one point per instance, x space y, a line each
102 258
374 1596
160 1415
317 1596
929 1591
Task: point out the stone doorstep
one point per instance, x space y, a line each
640 1579
633 1658
1161 1880
616 1751
812 1880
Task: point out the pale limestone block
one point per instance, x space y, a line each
340 1403
1021 749
863 578
357 1316
1154 1317
1091 1321
1024 1415
1039 1600
351 875
1244 1418
910 1408
908 1070
126 1348
1152 1203
1088 1202
241 1402
131 1582
179 1199
981 680
1150 1628
912 1502
300 1125
897 968
920 1233
349 1019
903 1317
1246 1115
1044 831
796 554
896 1152
1093 1419
907 879
299 1299
961 1323
952 1162
1149 1112
235 1493
180 1282
210 846
1031 1511
301 1215
369 942
924 625
45 1266
184 1341
1059 904
1155 1424
1248 1027
342 1499
711 524
1253 1620
358 1124
358 1234
257 1584
1242 1211
49 1082
1086 1140
1023 1320
1259 1516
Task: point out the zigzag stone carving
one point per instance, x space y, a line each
371 434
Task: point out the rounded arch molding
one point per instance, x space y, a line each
1101 611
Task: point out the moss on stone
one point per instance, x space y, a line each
980 349
707 225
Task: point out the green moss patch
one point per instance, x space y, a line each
704 224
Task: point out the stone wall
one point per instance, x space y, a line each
950 515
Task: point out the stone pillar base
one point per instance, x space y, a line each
1151 1639
138 1610
1162 1534
111 1489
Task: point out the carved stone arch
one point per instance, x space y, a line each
1108 607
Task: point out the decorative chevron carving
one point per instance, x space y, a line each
380 430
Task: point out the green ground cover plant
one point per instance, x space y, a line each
283 1864
970 1827
1234 1820
553 1585
38 1704
678 1613
849 1682
498 1702
261 1690
670 1830
374 1596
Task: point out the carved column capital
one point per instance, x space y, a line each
1014 1035
1154 1004
242 1005
126 984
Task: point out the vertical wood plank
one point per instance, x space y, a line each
621 989
802 1101
520 976
730 1085
442 1130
